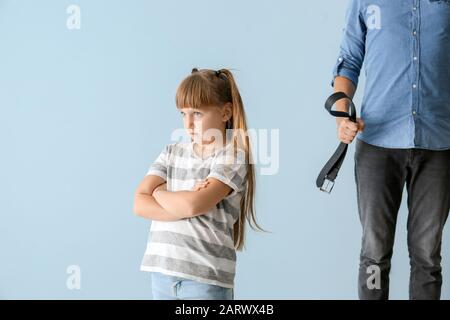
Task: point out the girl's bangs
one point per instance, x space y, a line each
195 92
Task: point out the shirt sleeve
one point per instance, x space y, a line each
159 166
352 50
230 169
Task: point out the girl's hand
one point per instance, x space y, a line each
200 185
160 187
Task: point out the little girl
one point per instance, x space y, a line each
199 194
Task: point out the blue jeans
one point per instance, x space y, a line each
165 287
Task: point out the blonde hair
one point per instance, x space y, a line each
203 88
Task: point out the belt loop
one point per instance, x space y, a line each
414 152
174 288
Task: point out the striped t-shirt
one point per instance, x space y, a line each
199 248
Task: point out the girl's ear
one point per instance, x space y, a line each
227 112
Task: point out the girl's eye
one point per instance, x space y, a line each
197 114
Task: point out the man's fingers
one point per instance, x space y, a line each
348 130
347 140
350 125
350 133
361 124
347 136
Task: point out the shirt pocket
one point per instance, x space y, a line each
440 16
443 2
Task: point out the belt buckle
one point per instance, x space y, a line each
327 186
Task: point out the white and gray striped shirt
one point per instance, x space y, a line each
199 248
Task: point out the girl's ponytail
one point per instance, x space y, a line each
241 140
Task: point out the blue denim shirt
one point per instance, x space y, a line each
405 47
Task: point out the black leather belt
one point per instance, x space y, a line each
326 178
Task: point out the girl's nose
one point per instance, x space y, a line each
189 122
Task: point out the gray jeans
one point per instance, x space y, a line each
380 175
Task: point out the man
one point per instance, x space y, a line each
404 134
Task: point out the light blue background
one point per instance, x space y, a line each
85 112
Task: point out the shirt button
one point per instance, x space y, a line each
414 112
414 86
414 32
415 58
414 8
340 59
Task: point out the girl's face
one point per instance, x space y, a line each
207 124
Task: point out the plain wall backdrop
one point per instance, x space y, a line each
83 113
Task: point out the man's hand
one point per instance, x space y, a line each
347 129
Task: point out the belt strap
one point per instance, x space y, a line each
325 180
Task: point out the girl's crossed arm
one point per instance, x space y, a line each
145 204
188 204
